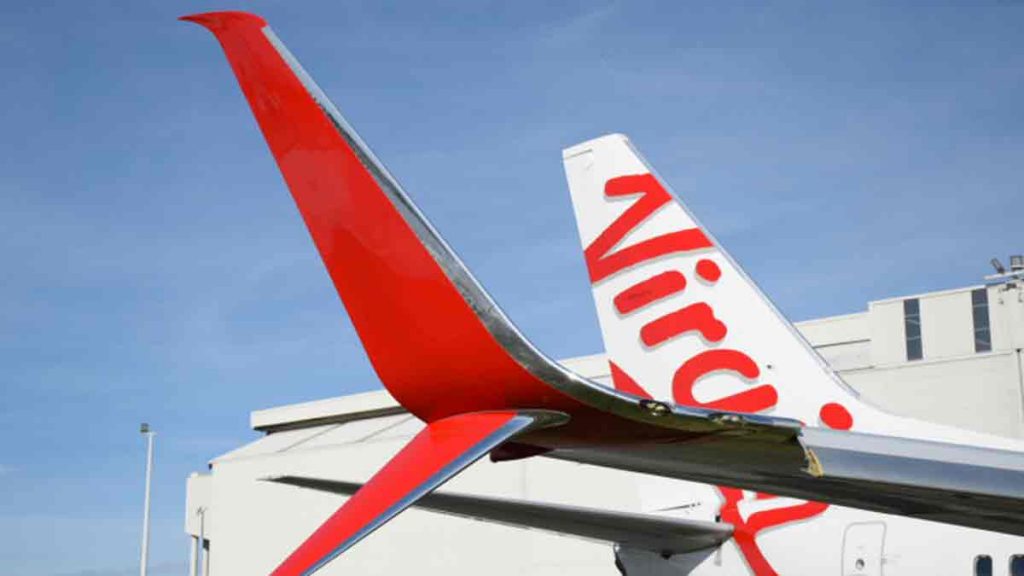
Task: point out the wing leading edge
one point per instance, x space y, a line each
658 534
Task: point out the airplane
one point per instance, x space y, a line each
712 385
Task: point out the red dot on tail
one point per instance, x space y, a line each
708 270
835 416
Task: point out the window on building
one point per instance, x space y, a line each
983 565
1017 565
912 328
979 307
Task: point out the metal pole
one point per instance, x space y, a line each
144 561
193 557
206 558
204 547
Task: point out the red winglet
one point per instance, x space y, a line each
436 454
390 268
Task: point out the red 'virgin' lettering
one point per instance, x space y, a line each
753 400
602 262
625 383
836 416
746 531
697 317
708 270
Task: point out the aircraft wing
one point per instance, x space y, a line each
662 535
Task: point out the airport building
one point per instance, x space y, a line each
953 357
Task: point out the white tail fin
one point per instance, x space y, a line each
680 319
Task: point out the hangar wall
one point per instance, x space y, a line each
953 357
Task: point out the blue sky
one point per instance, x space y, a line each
156 269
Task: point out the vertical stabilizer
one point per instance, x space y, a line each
681 320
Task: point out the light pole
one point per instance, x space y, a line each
149 434
197 546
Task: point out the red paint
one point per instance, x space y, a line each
755 399
649 291
416 327
836 416
625 383
697 317
746 531
602 262
438 445
708 270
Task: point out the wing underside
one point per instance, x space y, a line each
440 451
659 534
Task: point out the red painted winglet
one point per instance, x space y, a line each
393 273
440 451
402 287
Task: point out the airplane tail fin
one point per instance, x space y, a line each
680 318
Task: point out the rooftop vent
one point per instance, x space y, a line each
1017 263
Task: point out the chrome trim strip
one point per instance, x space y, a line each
494 319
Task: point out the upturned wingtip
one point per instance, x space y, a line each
222 20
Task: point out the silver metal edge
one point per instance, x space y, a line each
915 463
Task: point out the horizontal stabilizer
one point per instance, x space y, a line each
658 534
680 318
